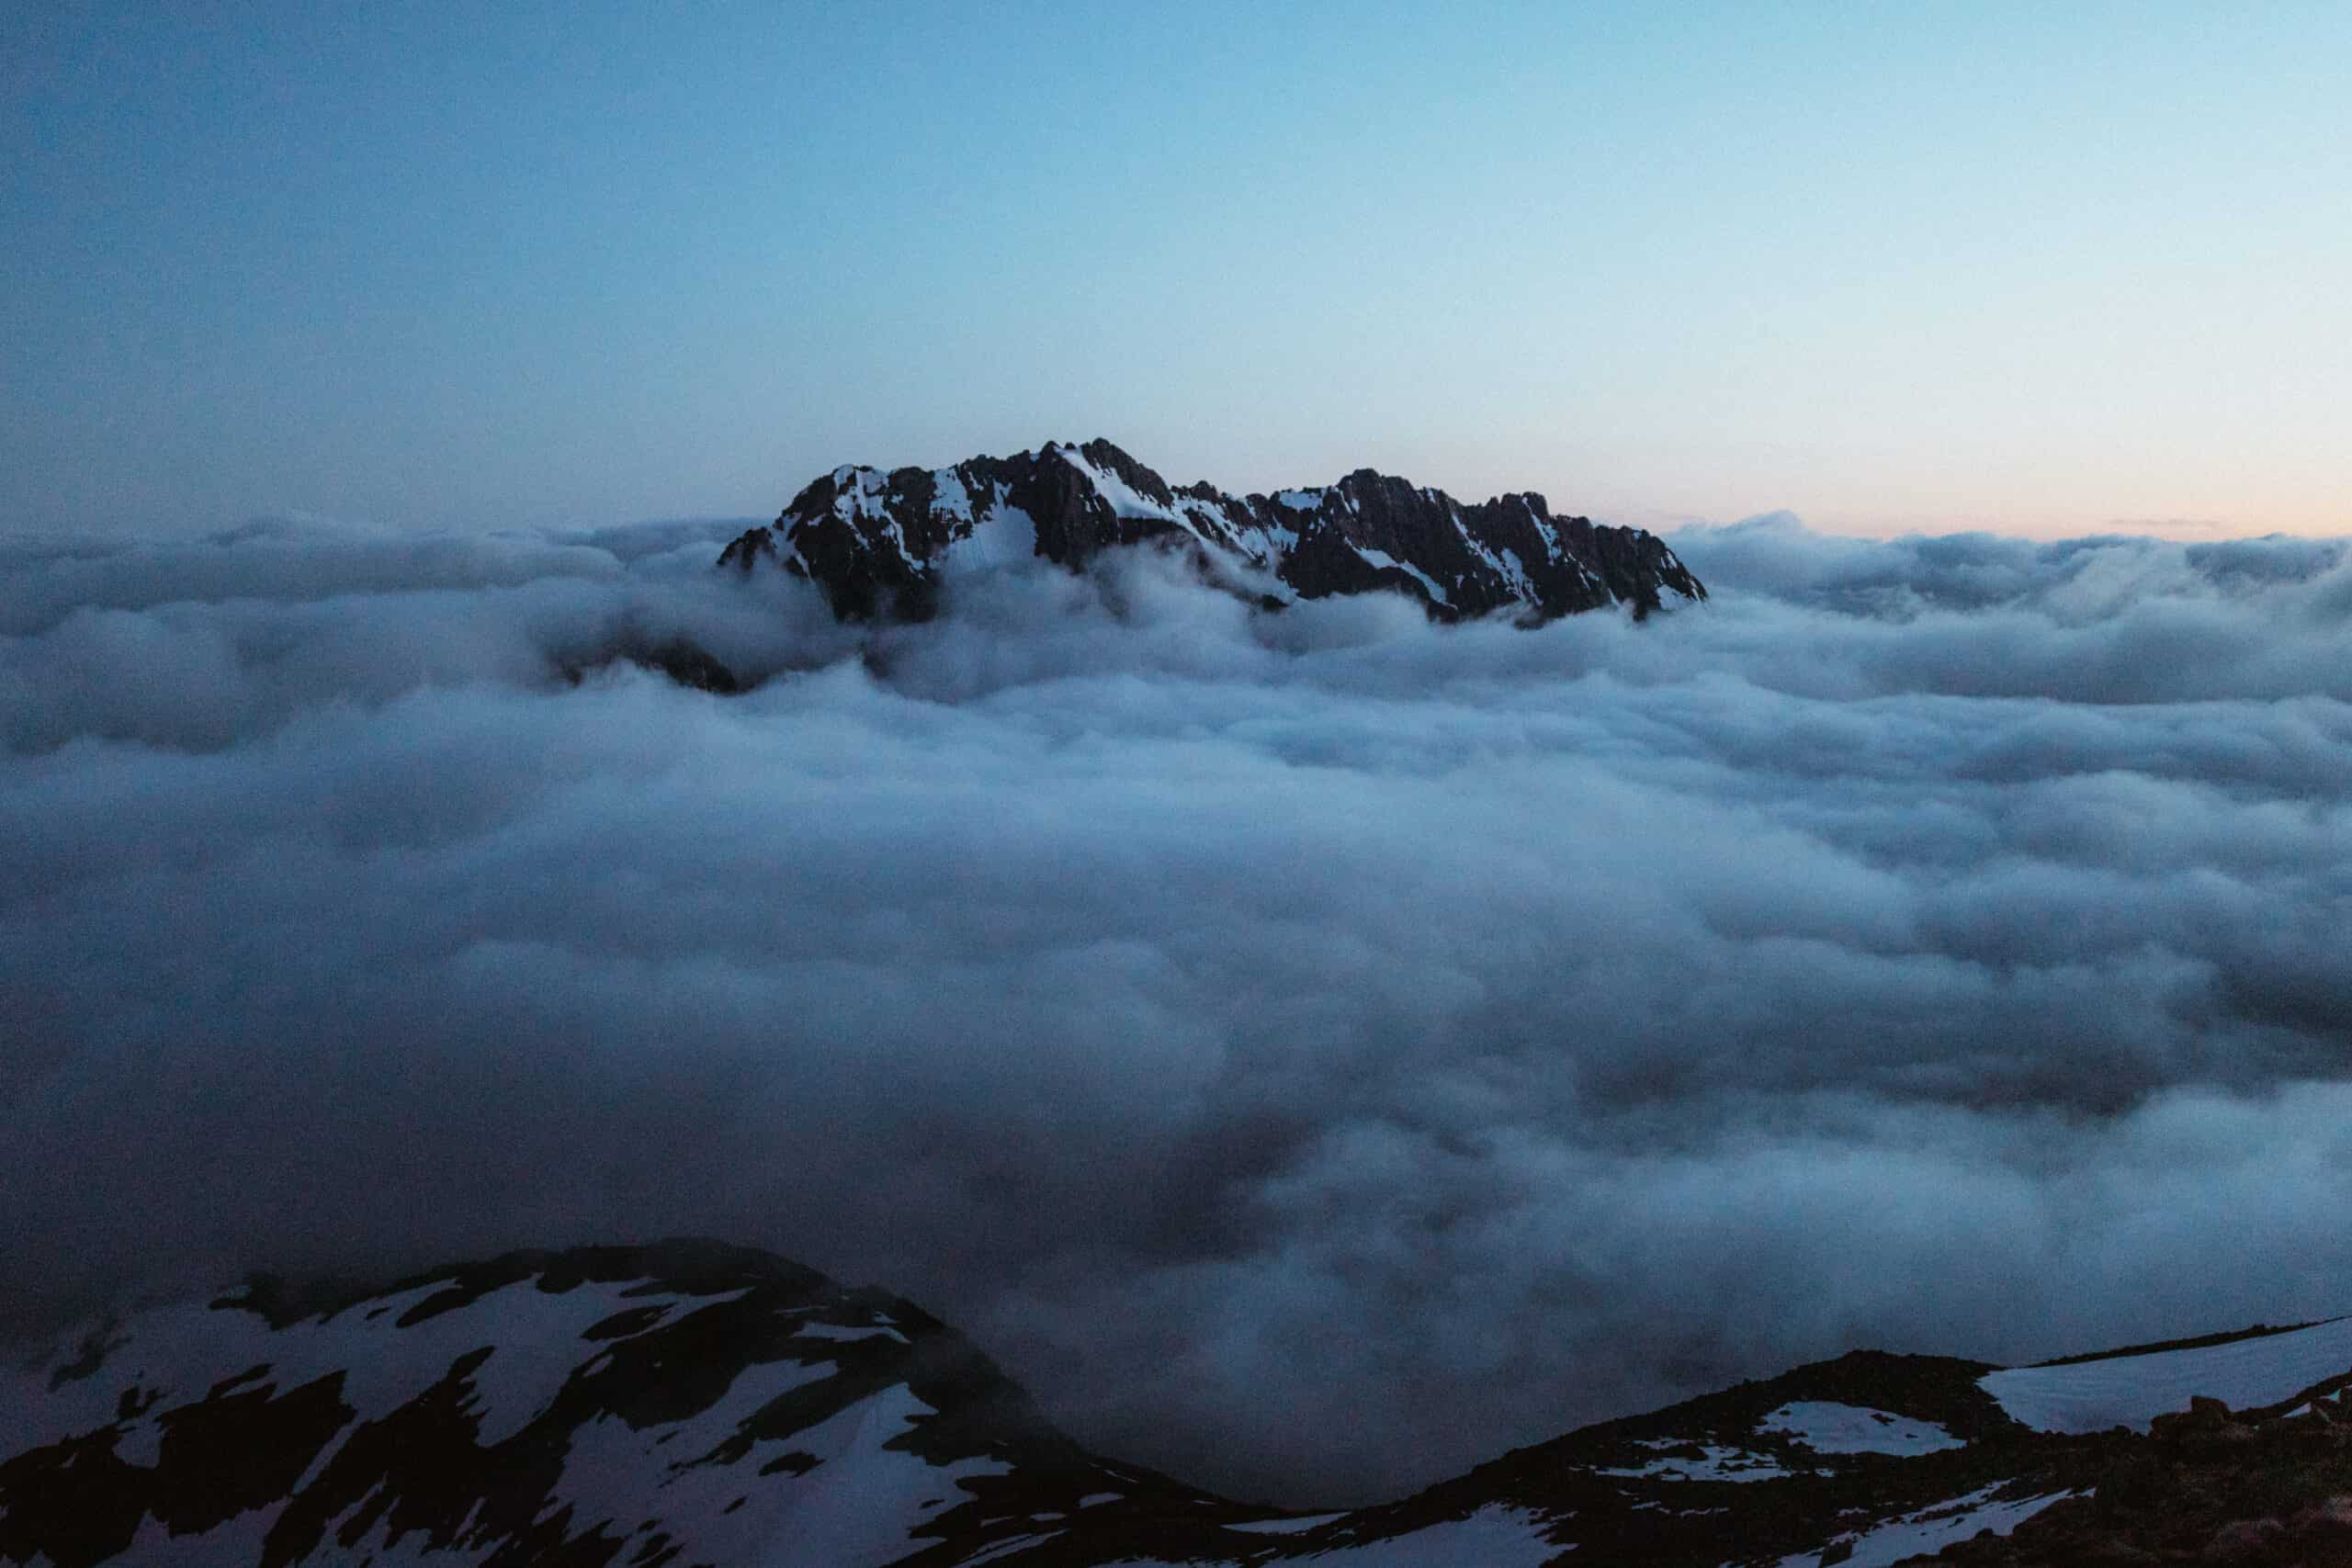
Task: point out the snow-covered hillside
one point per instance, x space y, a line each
2128 1388
691 1403
685 1403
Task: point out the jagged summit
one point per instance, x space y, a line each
881 543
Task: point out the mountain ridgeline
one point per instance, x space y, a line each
889 544
689 1403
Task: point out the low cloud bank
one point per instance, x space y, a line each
1314 1052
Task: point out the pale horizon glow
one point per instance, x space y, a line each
1890 269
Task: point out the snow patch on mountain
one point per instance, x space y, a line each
1828 1427
1494 1537
856 1506
175 1353
1926 1531
1716 1462
1124 499
2134 1390
1382 559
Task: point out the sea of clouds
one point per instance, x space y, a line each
1313 1051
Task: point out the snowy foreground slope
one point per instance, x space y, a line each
692 1403
889 542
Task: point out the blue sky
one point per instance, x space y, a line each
1891 268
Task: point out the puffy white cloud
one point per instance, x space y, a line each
1316 1052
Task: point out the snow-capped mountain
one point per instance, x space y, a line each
886 543
692 1403
686 1402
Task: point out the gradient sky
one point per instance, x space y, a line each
1930 266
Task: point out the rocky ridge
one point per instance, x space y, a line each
886 545
693 1403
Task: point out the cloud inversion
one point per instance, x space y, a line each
1313 1051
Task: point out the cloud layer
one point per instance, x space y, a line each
1313 1051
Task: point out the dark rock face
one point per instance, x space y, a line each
686 662
880 543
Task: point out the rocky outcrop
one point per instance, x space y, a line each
886 545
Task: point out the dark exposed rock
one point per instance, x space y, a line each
879 544
690 665
686 662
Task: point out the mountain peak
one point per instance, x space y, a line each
886 544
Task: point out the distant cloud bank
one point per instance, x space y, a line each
1319 1044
